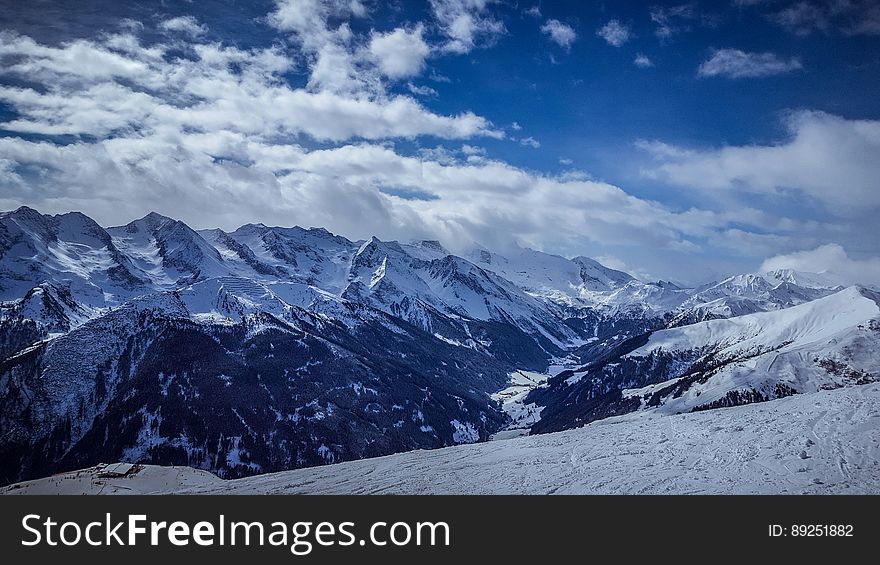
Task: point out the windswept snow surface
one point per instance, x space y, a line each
822 443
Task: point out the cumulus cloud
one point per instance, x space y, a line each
829 159
184 24
400 53
308 19
831 259
89 88
327 47
466 23
615 33
734 63
560 33
643 61
530 142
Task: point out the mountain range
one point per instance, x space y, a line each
272 348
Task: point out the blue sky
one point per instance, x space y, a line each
676 140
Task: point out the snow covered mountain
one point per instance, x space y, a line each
269 348
70 251
746 294
551 276
827 343
168 251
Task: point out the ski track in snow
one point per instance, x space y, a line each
822 443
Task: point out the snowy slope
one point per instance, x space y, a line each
523 415
583 283
550 276
818 320
51 308
828 343
826 443
168 251
759 292
414 287
69 250
312 256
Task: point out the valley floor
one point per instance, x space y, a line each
823 443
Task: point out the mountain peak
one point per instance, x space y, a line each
156 218
25 211
30 217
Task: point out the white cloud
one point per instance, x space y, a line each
561 34
615 33
130 25
471 150
90 61
829 159
184 24
851 17
421 90
565 161
534 11
466 23
530 142
308 19
642 61
734 63
673 19
831 258
400 53
88 89
327 49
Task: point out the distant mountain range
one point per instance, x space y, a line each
269 348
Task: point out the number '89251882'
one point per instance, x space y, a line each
821 530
